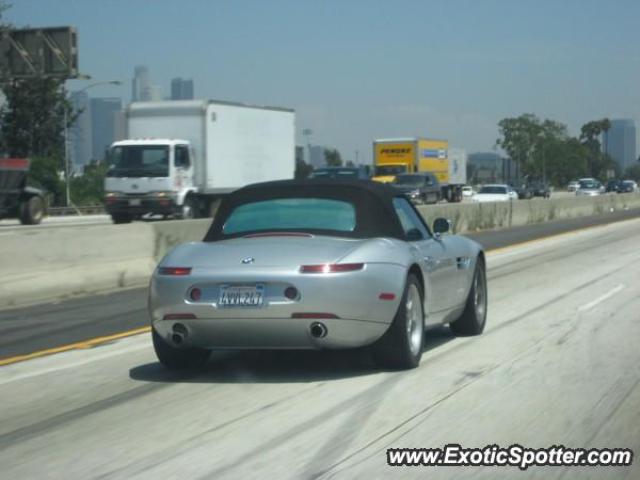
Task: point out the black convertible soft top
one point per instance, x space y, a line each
373 202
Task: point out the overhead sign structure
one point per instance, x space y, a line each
38 52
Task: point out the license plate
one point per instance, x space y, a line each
135 202
241 296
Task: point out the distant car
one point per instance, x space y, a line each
522 188
628 186
541 189
495 193
419 187
589 187
613 186
316 264
467 191
573 185
350 173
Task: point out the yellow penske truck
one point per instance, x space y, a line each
395 156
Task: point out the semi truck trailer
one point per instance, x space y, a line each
413 155
181 156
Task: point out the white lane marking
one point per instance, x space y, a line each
601 298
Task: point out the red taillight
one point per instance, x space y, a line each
387 296
314 315
332 268
174 270
179 316
195 294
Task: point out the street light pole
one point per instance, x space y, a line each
66 136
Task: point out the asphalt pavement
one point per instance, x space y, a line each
558 364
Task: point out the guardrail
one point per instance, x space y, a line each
74 210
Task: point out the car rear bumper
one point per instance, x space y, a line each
270 333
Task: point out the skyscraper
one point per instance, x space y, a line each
181 89
80 135
620 142
103 113
140 83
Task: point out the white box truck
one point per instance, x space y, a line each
180 156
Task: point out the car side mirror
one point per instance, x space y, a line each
441 225
414 235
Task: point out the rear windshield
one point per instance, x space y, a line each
587 184
492 189
384 170
292 214
411 180
335 173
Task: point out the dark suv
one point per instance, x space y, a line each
419 187
540 189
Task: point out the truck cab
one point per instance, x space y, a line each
150 176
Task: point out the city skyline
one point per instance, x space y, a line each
356 71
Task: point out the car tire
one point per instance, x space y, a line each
400 348
32 211
174 358
474 317
120 218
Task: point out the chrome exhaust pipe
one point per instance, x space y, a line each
318 330
180 333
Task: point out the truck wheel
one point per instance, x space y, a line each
119 218
473 319
188 210
401 345
32 211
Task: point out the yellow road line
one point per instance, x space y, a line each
74 346
137 331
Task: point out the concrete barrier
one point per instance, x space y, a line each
472 217
49 264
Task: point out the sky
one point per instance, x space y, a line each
356 70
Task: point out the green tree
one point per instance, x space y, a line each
88 188
332 157
598 162
303 169
32 124
525 139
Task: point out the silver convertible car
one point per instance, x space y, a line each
316 264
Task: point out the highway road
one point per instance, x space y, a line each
558 364
8 225
70 323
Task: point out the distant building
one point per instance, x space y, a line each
181 89
316 156
141 83
80 134
152 93
103 119
619 142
